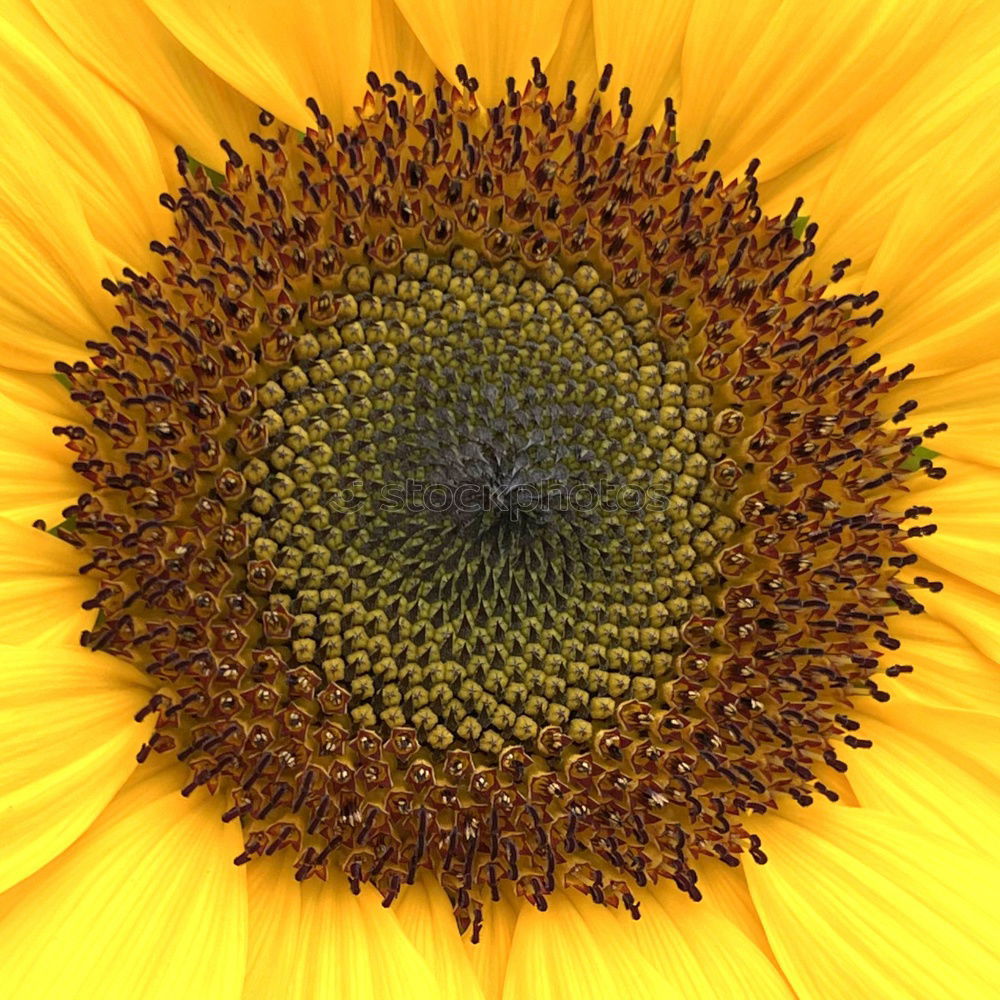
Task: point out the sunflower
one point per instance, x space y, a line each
472 528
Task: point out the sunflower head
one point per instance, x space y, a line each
489 493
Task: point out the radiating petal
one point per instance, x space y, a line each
969 738
426 917
967 541
275 901
316 940
806 179
67 741
51 300
859 903
948 671
783 82
41 588
966 399
495 41
396 47
277 55
147 903
881 162
129 47
951 700
643 43
936 270
700 953
568 953
574 58
726 889
36 476
967 607
102 149
42 391
911 776
351 946
490 957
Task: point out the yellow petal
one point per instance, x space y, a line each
948 671
396 47
277 55
967 541
317 940
40 391
969 738
966 607
859 904
496 40
935 269
51 299
575 58
726 889
129 47
643 43
805 179
783 82
583 954
41 589
699 952
41 481
909 776
274 899
951 701
68 742
36 477
911 136
351 946
966 400
489 958
426 917
147 903
102 149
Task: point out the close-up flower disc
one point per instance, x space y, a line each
494 494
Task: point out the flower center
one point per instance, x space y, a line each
490 497
485 502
